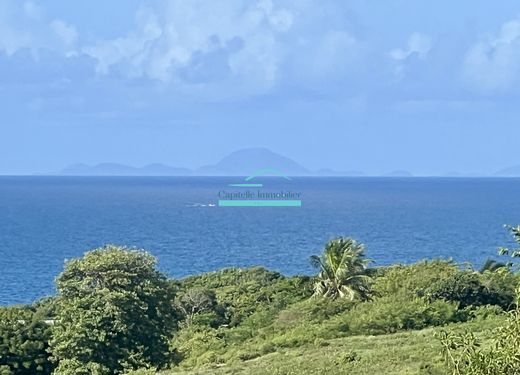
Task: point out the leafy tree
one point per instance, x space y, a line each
471 289
342 270
114 314
199 305
24 336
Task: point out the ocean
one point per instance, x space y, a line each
45 220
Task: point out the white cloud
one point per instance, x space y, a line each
419 44
24 25
493 63
206 48
247 44
168 40
67 33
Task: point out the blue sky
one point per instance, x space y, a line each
430 87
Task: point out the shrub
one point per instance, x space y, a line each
348 357
197 345
483 312
313 310
389 315
464 354
24 339
468 288
412 279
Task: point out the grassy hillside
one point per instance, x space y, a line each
414 352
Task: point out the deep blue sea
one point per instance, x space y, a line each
45 220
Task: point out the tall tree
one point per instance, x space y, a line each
114 313
342 270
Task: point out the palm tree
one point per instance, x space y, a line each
342 270
492 266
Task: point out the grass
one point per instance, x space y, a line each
412 352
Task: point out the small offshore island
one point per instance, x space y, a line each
115 313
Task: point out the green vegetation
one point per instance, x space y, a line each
343 269
24 337
116 314
408 352
465 353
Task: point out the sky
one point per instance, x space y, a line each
431 87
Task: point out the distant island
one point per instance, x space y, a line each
243 163
509 172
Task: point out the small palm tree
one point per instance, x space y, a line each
342 270
492 266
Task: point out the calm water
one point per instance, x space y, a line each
45 220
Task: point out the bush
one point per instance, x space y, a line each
389 315
196 345
483 312
465 355
313 310
468 289
348 357
412 279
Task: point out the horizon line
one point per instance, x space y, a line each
244 175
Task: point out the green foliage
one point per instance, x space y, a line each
413 279
247 301
342 270
514 253
242 292
142 372
404 353
315 310
349 357
444 280
391 314
492 265
195 345
465 355
200 306
470 288
24 336
114 314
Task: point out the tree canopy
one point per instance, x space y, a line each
115 313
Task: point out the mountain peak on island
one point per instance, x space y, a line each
399 173
246 161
